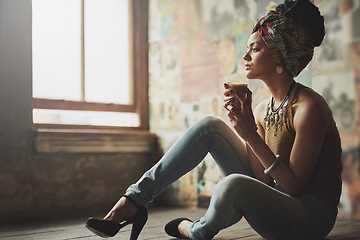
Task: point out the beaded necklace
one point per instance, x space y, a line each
277 117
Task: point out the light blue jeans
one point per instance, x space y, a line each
269 211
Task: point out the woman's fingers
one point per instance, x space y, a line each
231 117
236 113
228 92
228 103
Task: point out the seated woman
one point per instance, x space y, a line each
285 180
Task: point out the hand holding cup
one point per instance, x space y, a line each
235 88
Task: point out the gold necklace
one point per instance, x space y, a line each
277 117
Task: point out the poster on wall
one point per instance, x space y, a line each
191 113
165 112
357 103
335 90
356 68
259 92
208 176
189 189
155 70
241 42
264 6
245 18
356 59
211 105
157 114
189 23
226 55
167 20
172 110
245 11
171 66
199 81
333 54
192 52
349 206
305 76
219 17
352 7
154 23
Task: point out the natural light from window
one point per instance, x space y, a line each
81 53
57 49
85 118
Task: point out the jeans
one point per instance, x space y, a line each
270 212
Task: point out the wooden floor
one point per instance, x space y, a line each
75 229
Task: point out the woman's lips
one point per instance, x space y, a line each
247 67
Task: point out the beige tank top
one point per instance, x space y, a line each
325 181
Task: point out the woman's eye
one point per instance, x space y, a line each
255 49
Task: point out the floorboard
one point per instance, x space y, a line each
75 229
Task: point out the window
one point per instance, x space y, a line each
90 64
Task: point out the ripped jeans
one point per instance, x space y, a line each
270 212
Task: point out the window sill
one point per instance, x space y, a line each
49 140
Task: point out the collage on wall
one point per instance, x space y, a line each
197 45
336 77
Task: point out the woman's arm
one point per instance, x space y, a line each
312 119
247 123
311 122
256 166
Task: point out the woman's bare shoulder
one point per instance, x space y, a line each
309 98
312 105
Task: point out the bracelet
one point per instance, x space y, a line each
267 171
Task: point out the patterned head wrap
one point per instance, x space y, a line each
291 44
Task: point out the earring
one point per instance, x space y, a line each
279 70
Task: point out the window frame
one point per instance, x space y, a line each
138 20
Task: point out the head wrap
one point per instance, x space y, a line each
290 44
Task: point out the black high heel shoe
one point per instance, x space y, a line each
171 228
107 228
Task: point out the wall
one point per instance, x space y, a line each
46 186
197 45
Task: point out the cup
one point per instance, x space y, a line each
239 87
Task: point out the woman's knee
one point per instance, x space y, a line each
210 122
237 187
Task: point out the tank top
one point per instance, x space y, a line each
325 180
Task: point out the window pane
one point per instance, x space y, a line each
107 51
85 118
56 49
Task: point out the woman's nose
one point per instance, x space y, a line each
246 57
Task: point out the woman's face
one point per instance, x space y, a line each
259 62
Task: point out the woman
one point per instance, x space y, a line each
285 180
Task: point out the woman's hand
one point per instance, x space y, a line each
240 112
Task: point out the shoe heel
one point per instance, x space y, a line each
139 223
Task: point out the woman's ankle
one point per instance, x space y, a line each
184 227
123 210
